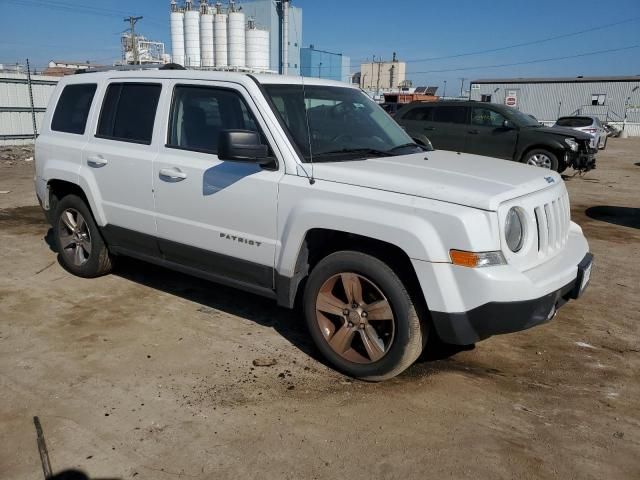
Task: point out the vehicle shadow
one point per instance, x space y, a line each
209 295
263 311
624 216
74 475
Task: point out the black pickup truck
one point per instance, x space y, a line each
496 131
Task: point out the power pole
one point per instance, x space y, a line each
132 31
462 86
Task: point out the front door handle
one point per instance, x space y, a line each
474 132
96 161
173 174
429 129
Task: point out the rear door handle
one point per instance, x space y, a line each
95 161
474 132
428 129
173 174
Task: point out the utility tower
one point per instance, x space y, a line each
134 44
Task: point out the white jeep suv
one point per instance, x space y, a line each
305 191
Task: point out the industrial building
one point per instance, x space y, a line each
378 75
261 35
323 64
615 100
139 50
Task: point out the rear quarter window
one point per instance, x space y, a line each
73 107
129 111
574 122
419 114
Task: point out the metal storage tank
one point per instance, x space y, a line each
257 47
177 34
191 36
206 36
237 41
220 37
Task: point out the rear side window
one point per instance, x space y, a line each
128 112
199 114
73 107
419 114
452 114
574 122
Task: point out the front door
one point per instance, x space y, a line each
489 136
215 216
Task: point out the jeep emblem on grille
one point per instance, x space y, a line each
549 179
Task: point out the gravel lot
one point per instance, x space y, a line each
150 374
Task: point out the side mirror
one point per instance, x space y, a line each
242 146
508 125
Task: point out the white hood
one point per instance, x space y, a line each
464 179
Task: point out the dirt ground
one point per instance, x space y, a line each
149 374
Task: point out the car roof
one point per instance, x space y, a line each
238 77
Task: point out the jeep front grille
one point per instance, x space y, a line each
552 220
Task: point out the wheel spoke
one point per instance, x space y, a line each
326 326
328 303
341 340
86 244
352 287
68 220
372 343
380 310
66 241
80 223
78 257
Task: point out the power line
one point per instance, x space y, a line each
523 44
543 60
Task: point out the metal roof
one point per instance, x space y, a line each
579 79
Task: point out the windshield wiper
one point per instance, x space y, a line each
406 145
356 151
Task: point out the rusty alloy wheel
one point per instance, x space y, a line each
75 238
355 318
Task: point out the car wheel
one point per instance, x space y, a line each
361 317
81 249
543 159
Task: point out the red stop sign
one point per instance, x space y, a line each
511 101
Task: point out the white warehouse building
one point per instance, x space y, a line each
615 100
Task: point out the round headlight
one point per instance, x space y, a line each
514 230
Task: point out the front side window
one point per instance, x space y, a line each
330 123
128 112
451 114
419 114
73 108
484 117
199 114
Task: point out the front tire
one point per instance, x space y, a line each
361 317
81 249
543 159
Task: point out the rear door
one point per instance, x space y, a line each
118 160
488 136
450 127
215 216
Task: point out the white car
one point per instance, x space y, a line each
307 192
587 124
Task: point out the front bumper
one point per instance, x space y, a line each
496 318
583 160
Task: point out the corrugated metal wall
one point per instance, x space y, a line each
548 101
16 126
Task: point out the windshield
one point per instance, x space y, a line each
574 122
523 120
337 123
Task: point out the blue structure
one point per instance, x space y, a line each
322 64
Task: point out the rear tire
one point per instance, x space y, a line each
361 317
81 249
